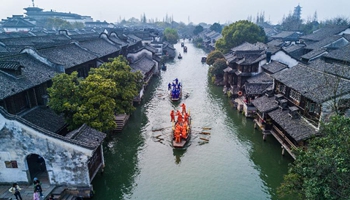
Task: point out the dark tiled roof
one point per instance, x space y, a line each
322 43
34 73
287 35
331 68
341 54
46 118
67 55
144 65
311 83
260 78
296 51
275 42
256 88
249 59
87 135
314 54
297 128
274 66
17 23
99 46
77 141
265 104
246 46
322 33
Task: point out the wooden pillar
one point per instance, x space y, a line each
264 136
282 150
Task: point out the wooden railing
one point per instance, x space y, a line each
285 138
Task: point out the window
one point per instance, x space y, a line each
312 107
281 88
295 95
11 164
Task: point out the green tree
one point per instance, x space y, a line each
239 32
323 170
128 83
216 27
171 35
107 90
213 56
218 67
64 95
198 29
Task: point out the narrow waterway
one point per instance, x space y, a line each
235 164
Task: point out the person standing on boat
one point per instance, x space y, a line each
176 81
169 86
184 132
186 118
179 117
183 106
172 115
177 134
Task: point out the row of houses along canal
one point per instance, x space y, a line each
232 162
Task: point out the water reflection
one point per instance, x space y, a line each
179 153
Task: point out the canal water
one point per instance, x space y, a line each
233 162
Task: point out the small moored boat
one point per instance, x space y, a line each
179 56
182 44
164 67
185 48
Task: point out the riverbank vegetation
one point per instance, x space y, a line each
108 90
323 170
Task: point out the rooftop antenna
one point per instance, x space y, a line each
33 3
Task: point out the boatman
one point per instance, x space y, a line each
172 115
177 134
176 81
184 132
186 117
183 106
169 86
179 117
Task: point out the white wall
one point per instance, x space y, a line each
284 58
66 163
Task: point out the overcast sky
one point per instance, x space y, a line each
196 11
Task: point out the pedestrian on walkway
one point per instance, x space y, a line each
36 195
37 186
15 190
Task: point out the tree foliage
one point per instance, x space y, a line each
171 35
198 29
57 23
323 170
107 91
239 32
218 67
212 56
216 27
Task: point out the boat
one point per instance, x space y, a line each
164 67
181 128
179 56
204 59
175 90
182 44
185 48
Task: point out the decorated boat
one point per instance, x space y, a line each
181 127
175 90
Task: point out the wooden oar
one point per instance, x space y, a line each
205 139
158 136
206 128
205 133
